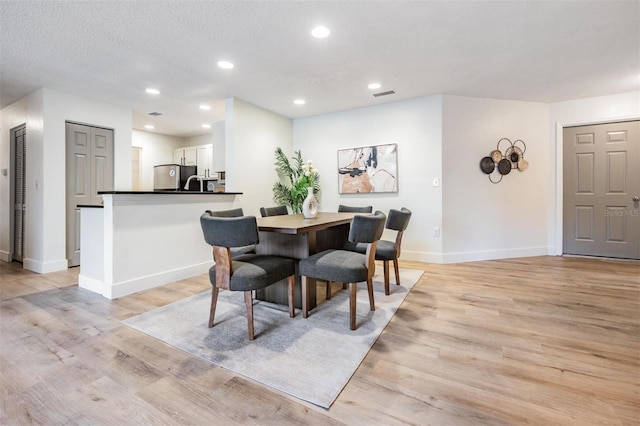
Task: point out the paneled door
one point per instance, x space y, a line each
602 190
89 170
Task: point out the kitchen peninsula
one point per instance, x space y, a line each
138 240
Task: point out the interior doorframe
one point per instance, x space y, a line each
559 199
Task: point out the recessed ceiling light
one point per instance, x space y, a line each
225 65
299 102
320 32
206 126
152 91
149 126
374 86
205 107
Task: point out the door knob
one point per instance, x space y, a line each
636 198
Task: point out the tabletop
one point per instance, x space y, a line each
297 224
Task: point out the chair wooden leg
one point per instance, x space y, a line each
327 295
248 301
372 303
304 285
386 276
395 267
352 304
292 300
214 302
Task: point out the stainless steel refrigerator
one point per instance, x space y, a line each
172 177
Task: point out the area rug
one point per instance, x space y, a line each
311 359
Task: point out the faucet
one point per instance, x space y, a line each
200 178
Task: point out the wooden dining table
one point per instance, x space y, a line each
296 237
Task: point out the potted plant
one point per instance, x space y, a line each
294 178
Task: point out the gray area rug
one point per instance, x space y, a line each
311 359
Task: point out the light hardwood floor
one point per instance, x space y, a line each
539 341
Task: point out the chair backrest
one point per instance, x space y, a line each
227 213
273 211
229 231
354 209
367 229
398 219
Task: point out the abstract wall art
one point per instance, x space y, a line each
368 169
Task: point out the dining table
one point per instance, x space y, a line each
297 237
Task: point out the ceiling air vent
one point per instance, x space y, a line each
155 114
390 92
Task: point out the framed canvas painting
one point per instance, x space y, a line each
368 169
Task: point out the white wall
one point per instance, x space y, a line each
46 112
219 146
252 135
199 140
483 220
596 110
415 125
156 149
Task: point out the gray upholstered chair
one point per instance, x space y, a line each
248 272
354 209
346 266
235 251
227 213
347 209
273 211
388 251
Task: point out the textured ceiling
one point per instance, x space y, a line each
543 51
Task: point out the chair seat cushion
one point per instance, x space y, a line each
385 250
254 272
335 265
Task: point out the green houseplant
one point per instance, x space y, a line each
295 177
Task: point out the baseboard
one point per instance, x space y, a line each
5 256
474 256
91 284
150 281
45 267
494 254
418 256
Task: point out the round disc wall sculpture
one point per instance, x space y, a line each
513 158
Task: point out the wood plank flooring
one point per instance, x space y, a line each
538 341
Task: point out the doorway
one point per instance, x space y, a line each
89 165
601 190
18 191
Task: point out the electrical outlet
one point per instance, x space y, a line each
436 181
436 232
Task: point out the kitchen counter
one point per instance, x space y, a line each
169 193
143 239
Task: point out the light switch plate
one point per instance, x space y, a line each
436 181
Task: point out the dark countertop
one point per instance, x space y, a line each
99 206
168 192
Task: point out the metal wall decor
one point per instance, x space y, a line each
513 158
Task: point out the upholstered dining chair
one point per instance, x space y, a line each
354 209
388 251
347 209
273 211
227 213
248 272
235 251
346 266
